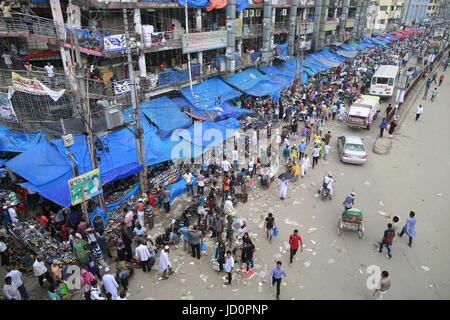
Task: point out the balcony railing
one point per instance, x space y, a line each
59 80
280 26
30 24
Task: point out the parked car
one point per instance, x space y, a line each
351 149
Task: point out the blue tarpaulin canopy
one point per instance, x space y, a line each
209 134
210 93
2 161
219 112
169 76
165 114
254 83
19 141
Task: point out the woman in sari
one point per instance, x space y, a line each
78 249
86 281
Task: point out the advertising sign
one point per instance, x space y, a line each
202 41
34 86
114 43
121 87
89 183
6 109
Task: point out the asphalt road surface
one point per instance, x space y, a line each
413 176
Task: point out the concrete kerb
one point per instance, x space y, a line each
377 147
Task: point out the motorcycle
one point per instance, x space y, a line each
325 193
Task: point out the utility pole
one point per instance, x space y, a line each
138 132
300 45
82 93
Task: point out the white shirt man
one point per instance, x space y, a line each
13 215
142 253
95 293
49 69
329 183
235 155
229 265
11 293
286 142
228 205
110 283
39 268
7 58
16 277
188 178
164 263
226 166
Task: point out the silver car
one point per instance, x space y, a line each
351 149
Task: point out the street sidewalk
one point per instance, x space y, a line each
383 146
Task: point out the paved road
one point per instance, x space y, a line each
414 176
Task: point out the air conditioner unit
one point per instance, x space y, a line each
114 118
258 13
245 13
284 12
252 13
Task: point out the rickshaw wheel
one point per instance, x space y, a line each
339 229
360 233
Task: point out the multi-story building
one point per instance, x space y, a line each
415 11
433 9
389 15
221 40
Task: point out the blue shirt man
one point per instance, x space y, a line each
302 147
349 201
383 124
184 232
275 276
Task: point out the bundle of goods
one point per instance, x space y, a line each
163 239
118 195
43 243
163 179
116 217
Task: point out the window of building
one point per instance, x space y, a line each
382 21
392 8
383 8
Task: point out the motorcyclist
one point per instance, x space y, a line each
349 201
328 184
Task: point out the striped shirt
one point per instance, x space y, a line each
97 252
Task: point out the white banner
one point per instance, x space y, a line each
121 88
114 43
6 109
34 86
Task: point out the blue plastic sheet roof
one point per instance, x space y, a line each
210 93
209 134
165 114
2 161
19 141
194 3
246 79
241 5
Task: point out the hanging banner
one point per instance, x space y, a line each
121 87
6 109
89 183
114 43
202 41
34 86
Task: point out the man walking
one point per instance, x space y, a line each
388 237
229 265
316 154
269 225
184 232
16 277
50 73
40 270
294 240
218 226
433 94
275 276
301 149
195 237
409 228
10 291
188 179
164 264
110 283
143 256
382 127
383 285
419 111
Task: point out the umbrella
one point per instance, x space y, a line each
285 176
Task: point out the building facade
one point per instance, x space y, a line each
389 15
221 40
415 11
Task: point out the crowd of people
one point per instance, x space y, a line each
303 110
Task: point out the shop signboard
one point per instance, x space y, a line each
115 43
202 41
85 187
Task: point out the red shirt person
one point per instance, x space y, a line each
294 241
